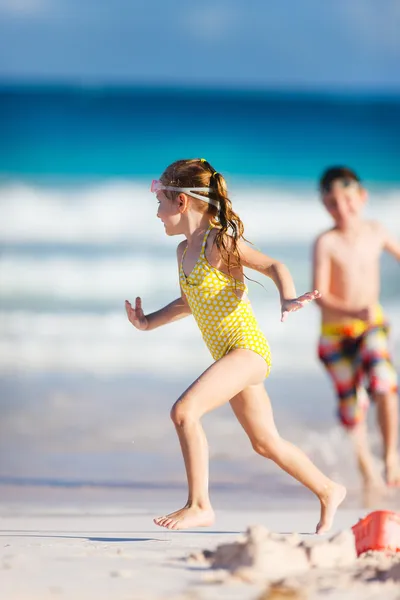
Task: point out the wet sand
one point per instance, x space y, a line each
93 551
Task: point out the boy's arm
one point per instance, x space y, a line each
280 275
322 279
177 309
391 244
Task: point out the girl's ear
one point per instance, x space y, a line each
183 202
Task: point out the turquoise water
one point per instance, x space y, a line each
72 132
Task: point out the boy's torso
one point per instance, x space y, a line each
354 268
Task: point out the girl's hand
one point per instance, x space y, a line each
297 303
136 315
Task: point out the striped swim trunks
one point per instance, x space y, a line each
358 366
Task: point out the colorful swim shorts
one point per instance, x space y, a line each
358 366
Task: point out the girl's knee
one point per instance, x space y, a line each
177 413
181 413
267 447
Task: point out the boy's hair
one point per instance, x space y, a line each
198 172
332 174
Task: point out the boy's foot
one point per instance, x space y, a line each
392 470
330 500
187 518
372 497
373 481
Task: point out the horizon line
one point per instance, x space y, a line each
343 90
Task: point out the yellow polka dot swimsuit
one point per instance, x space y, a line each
226 321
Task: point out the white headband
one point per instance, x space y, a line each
190 192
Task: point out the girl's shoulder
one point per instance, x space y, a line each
211 243
181 247
213 233
227 237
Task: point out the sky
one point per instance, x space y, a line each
301 44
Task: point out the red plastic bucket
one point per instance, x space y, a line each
380 530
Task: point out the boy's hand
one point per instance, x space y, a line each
136 315
366 314
297 303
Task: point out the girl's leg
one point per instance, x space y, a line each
253 409
216 386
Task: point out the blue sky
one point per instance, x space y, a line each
248 43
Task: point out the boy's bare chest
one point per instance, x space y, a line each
355 256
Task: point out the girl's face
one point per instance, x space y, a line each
170 214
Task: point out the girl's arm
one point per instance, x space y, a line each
280 275
177 309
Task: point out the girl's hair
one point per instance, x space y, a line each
198 172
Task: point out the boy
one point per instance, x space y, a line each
354 334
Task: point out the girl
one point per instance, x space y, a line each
193 201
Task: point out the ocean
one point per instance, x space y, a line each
79 234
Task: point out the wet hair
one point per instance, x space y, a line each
198 172
343 174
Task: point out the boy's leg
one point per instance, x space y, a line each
365 461
383 389
216 386
253 409
388 419
344 371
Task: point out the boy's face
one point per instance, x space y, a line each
344 202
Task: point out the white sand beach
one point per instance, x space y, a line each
90 550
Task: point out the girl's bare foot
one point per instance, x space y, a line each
187 517
330 500
392 470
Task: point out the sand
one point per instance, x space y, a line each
98 551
